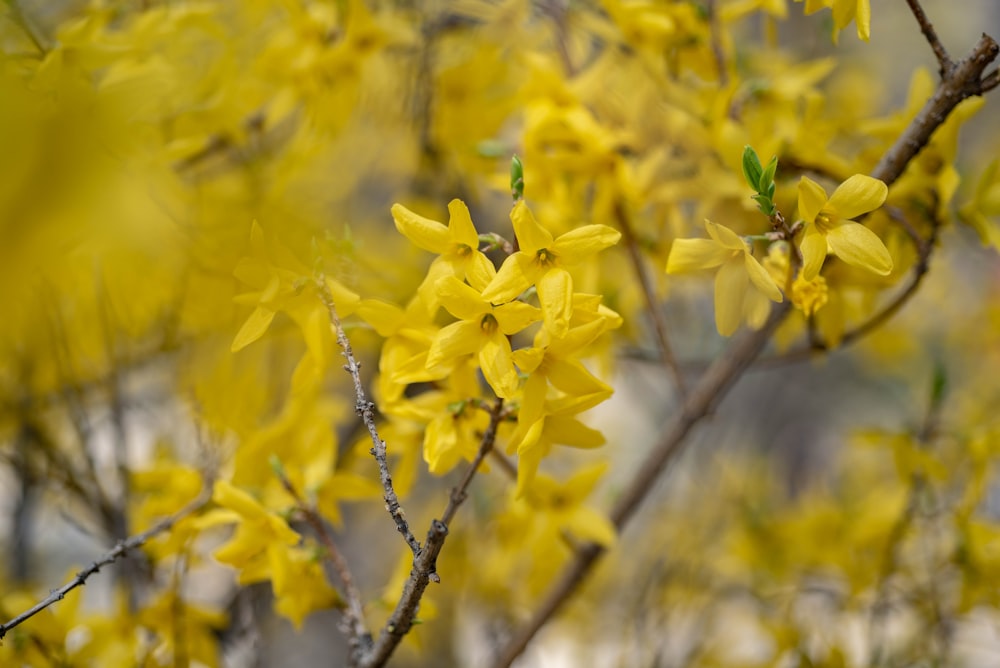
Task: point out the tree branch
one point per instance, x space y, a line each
926 27
358 635
653 307
424 568
366 411
962 81
113 555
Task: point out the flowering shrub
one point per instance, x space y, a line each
199 200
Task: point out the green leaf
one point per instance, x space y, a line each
767 177
752 169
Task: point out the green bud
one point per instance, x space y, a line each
516 178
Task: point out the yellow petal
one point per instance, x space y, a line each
588 524
730 286
498 366
864 20
423 232
454 341
761 279
515 316
517 273
813 248
725 237
460 300
479 270
695 254
812 197
530 235
555 294
756 308
567 430
858 246
460 225
572 377
254 328
582 242
228 496
857 195
385 318
528 359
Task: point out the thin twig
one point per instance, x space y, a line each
653 306
120 550
926 27
962 81
702 399
359 637
459 493
366 410
990 81
715 29
424 568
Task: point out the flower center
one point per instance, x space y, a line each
545 257
824 221
462 250
809 296
489 324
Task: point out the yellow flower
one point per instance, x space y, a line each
809 296
482 329
541 262
259 532
457 245
829 228
300 585
742 285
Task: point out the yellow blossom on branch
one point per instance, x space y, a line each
742 286
482 329
542 261
456 245
829 228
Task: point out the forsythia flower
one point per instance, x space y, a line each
260 534
457 245
541 261
482 329
829 228
742 285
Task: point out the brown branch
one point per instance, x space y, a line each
120 550
653 307
459 493
962 81
358 636
366 411
715 29
709 391
424 568
926 27
991 80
